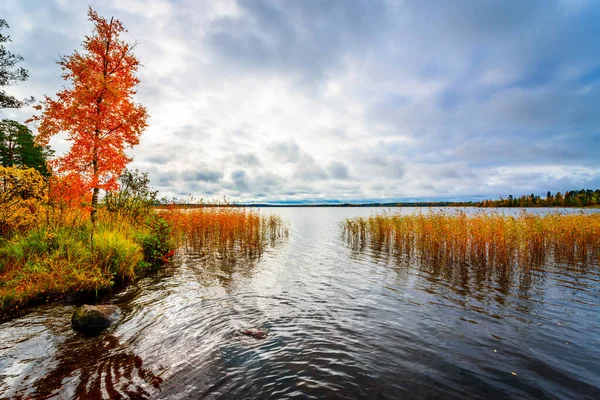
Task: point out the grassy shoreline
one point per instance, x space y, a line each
46 264
51 262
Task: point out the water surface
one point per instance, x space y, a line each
342 323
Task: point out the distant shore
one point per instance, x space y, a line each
419 204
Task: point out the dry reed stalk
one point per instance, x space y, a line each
481 239
225 231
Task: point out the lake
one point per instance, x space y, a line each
341 322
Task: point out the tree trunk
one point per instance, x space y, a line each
96 190
94 213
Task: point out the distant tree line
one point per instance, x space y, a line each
571 198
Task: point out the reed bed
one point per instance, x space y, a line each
224 231
482 239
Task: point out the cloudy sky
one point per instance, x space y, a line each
304 100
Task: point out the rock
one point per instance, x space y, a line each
255 333
93 319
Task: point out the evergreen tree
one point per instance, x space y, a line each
18 148
9 73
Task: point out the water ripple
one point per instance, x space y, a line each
340 322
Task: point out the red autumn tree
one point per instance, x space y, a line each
97 111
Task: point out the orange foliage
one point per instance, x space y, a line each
68 191
97 112
68 200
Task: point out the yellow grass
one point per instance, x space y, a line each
483 239
49 262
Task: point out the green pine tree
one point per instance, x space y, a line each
10 73
18 147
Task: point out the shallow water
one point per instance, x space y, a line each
342 323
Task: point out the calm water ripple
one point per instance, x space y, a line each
341 322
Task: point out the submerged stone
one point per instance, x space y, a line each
255 333
93 319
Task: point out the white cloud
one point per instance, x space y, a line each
267 100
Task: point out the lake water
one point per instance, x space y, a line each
342 324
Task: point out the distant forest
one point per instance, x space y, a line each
571 198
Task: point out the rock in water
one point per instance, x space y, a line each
255 333
93 319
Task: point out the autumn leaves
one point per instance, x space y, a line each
97 111
48 247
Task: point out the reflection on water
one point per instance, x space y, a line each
110 371
460 282
49 360
343 322
219 268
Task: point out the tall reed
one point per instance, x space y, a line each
224 231
483 239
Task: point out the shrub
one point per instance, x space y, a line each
22 193
134 199
156 241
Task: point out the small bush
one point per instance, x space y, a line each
135 198
22 194
156 241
